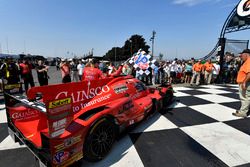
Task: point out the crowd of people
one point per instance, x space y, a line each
176 71
236 69
17 71
193 72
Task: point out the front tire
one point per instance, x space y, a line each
100 140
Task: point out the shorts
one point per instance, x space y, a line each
172 74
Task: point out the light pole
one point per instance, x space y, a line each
152 39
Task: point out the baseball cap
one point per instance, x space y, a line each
245 51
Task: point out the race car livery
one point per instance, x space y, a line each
61 124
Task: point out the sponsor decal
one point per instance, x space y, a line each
59 124
61 108
57 128
59 103
60 157
73 159
68 142
98 100
120 89
12 86
243 9
80 96
30 113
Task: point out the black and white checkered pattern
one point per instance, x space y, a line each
197 130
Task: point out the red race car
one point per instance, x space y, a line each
60 124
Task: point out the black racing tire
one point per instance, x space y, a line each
100 140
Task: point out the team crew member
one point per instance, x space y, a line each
92 71
208 68
26 74
197 69
243 79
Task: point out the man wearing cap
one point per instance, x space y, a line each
197 68
243 79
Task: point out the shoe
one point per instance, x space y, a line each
239 114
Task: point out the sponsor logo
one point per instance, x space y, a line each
12 86
59 109
142 61
60 157
98 100
68 142
59 124
30 113
59 103
120 89
243 9
82 95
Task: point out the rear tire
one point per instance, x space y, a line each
100 140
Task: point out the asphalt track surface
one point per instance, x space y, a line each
198 129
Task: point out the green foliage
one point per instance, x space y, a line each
131 46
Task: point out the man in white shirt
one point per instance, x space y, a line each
80 68
216 71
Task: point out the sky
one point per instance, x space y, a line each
62 28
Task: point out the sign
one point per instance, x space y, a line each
243 9
60 115
81 94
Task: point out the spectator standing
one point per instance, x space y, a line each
74 71
173 70
188 72
111 68
208 69
42 73
126 70
155 75
167 71
80 68
10 72
26 74
243 79
65 71
197 69
216 72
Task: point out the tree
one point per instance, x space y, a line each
131 46
114 54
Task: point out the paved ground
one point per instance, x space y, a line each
197 130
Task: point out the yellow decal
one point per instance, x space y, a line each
59 103
12 86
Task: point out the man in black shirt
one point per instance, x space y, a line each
42 73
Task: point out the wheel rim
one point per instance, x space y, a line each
102 140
